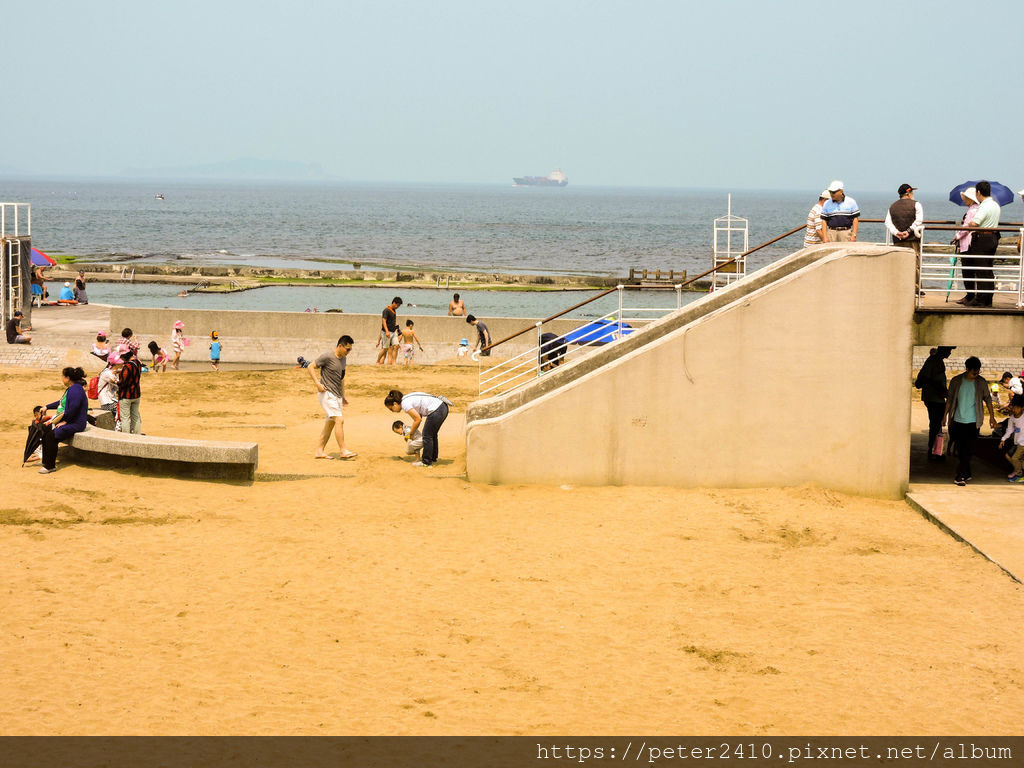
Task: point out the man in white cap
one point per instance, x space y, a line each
815 233
840 214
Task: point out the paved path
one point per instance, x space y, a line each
987 514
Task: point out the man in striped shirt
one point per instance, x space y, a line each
841 215
815 229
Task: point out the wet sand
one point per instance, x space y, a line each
371 597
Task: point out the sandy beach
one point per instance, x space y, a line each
371 597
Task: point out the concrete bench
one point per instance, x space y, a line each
210 459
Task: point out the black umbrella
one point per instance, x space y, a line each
33 441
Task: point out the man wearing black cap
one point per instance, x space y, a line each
931 380
905 220
14 334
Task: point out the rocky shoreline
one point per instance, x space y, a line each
228 278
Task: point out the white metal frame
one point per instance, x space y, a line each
941 271
727 225
519 370
15 223
12 214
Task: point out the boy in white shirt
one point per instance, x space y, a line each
1015 432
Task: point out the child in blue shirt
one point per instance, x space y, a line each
215 351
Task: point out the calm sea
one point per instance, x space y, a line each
496 228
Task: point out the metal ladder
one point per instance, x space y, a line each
14 287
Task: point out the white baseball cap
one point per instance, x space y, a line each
835 186
824 194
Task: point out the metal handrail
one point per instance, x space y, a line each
680 285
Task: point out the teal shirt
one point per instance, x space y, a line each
965 411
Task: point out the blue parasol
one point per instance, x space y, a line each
40 259
1002 193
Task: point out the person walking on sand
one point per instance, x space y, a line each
330 389
215 348
483 336
389 332
409 338
177 342
456 307
968 395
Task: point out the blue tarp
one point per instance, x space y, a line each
598 332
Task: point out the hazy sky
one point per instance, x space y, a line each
779 95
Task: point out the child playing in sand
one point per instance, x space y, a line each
177 342
414 440
159 357
408 337
1015 431
214 350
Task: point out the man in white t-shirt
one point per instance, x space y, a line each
331 393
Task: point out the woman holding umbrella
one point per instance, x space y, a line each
72 409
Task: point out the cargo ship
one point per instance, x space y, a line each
556 179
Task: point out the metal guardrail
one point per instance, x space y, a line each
999 274
552 349
523 368
938 272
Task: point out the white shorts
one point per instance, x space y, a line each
331 404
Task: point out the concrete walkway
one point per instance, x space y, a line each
987 514
70 326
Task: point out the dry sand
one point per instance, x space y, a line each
371 597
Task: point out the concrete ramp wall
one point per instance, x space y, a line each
799 373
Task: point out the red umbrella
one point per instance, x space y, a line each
40 259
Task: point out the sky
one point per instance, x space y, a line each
649 93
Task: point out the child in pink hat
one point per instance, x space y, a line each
177 342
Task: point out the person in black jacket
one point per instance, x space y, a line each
931 380
72 410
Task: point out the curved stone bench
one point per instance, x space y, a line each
209 459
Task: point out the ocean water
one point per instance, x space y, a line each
371 300
487 228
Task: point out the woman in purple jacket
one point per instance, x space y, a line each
72 409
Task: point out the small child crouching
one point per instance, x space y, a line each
414 440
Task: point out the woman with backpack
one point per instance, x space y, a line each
429 409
